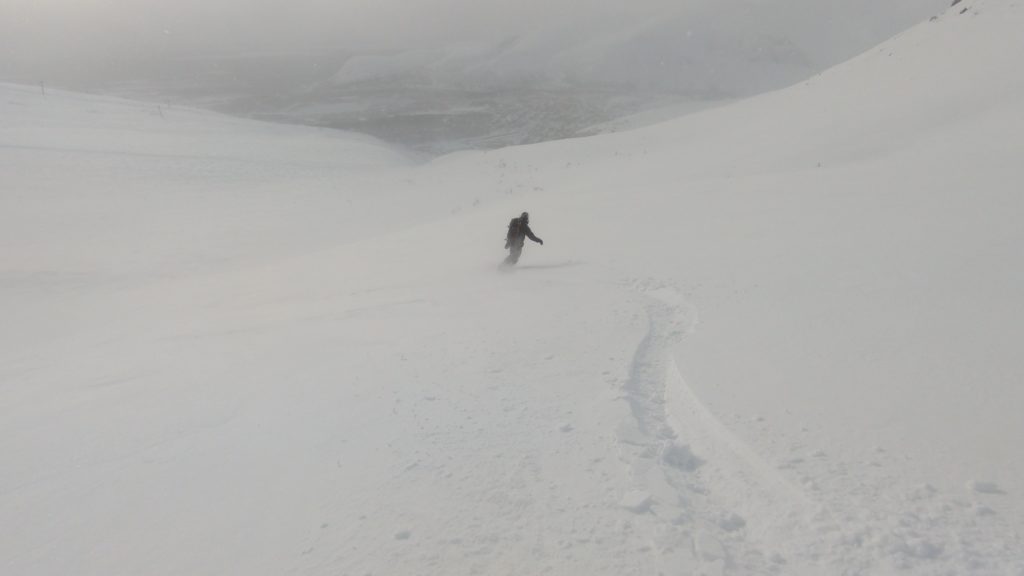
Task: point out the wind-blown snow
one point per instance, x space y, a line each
775 337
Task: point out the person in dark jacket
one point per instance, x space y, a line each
518 231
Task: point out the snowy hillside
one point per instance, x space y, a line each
775 337
701 48
558 80
185 186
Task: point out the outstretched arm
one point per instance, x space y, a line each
530 235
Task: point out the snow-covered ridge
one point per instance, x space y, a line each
71 121
190 188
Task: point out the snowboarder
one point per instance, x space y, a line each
518 231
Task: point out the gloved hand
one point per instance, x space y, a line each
541 242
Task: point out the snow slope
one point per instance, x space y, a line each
775 337
184 185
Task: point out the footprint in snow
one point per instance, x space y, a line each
680 457
984 487
637 502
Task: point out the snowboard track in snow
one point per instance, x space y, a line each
696 484
688 526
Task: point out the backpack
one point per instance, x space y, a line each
513 229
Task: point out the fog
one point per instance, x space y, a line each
408 70
43 31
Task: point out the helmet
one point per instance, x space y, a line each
524 216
